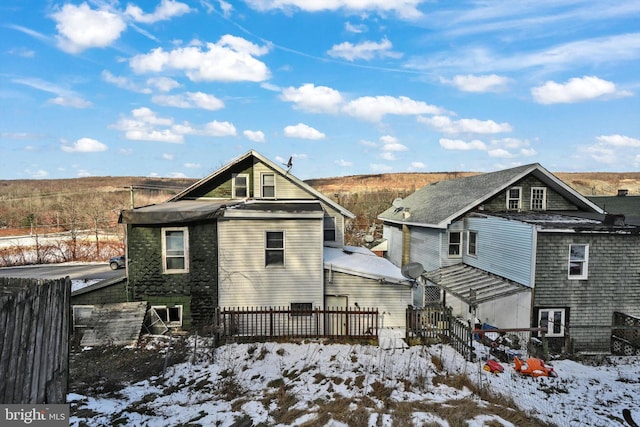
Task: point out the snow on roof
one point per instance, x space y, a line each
360 261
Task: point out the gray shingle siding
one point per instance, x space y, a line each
613 283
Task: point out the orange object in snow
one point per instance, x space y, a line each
534 368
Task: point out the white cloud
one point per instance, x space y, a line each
80 27
485 83
374 108
445 125
510 148
190 100
458 144
417 166
355 28
145 125
230 59
65 97
602 154
584 52
167 156
216 128
343 163
192 165
406 9
619 140
315 99
226 7
37 174
500 152
163 84
574 90
366 50
123 82
254 135
85 145
177 175
390 143
303 131
74 102
167 9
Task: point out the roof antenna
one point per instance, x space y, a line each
289 164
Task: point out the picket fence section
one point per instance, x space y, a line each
34 340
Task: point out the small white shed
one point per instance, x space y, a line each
356 277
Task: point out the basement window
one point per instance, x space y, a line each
553 319
171 316
301 308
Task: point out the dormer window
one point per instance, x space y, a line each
268 185
538 198
240 186
514 198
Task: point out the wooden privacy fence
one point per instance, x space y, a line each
34 340
249 323
439 324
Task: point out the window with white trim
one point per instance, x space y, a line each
538 198
455 244
171 316
175 250
329 227
514 198
268 185
240 186
472 243
274 248
553 319
578 261
82 315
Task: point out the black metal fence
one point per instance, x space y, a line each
251 323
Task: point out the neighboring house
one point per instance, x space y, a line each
621 204
520 248
249 235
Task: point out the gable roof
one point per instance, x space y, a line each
284 173
438 204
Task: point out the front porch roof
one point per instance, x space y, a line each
463 281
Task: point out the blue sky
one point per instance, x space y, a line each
179 88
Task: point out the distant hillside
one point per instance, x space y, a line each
586 183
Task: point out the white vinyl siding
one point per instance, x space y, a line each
244 279
285 189
391 299
507 248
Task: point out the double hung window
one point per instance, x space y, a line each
268 185
514 198
274 248
472 243
240 186
538 198
329 227
455 244
578 261
175 250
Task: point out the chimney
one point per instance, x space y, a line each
622 192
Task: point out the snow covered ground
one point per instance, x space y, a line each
296 384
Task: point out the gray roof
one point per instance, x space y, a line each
629 206
181 211
440 203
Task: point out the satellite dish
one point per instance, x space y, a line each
413 270
398 203
368 238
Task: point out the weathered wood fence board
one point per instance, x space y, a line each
34 340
